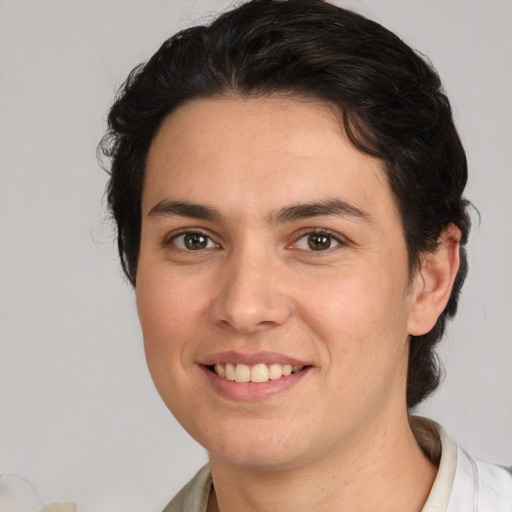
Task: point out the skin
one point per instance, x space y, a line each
338 438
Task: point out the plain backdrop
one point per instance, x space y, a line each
79 418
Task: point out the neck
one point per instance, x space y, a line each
385 471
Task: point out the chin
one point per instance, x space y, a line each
260 448
257 460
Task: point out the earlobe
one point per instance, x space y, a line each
433 282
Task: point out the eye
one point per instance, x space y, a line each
193 241
317 241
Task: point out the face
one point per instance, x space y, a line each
270 245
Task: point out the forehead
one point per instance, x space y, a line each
249 153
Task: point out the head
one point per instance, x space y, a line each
388 101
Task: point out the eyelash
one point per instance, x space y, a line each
191 232
210 244
320 231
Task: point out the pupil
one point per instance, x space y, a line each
195 241
319 242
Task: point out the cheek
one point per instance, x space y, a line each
169 314
339 305
168 311
360 317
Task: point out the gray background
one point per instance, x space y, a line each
79 418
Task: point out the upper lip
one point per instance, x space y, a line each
251 359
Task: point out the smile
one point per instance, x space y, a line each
260 372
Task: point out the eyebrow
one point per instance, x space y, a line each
290 213
184 209
317 209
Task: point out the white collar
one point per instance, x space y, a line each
465 485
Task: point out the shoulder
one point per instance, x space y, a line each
488 486
464 484
194 496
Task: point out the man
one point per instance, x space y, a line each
288 189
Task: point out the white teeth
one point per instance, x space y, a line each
257 373
242 373
219 370
275 371
230 371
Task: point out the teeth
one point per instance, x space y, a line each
275 371
242 373
219 370
230 371
257 373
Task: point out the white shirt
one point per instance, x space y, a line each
463 484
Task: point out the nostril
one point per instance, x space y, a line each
250 303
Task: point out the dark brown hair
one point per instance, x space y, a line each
391 102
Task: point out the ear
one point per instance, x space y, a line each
433 282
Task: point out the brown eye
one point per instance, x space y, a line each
319 242
193 241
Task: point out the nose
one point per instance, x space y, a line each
251 296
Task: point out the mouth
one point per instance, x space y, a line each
257 373
253 377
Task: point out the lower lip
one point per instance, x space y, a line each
253 391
